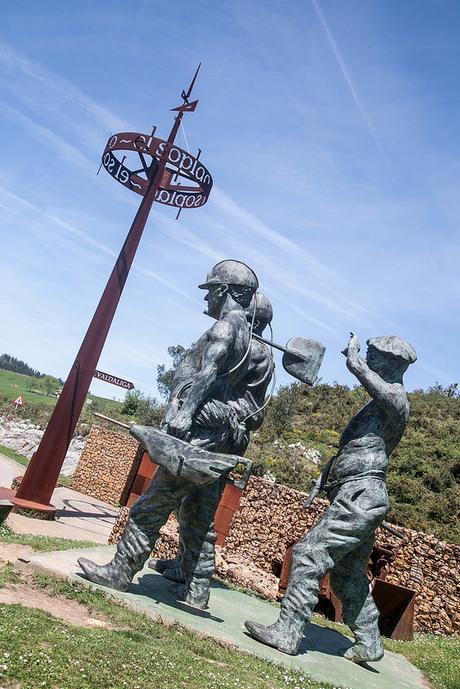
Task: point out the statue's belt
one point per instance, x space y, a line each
376 475
322 483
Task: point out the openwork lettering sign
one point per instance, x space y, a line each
186 182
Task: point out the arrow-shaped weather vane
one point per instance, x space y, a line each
180 179
154 182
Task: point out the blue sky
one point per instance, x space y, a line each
331 131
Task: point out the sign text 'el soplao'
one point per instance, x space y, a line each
185 183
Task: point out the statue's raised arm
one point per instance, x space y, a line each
355 482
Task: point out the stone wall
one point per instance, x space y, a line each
107 465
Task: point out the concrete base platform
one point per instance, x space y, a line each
78 516
320 651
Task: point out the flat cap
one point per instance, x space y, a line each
389 344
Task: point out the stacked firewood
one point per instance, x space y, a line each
431 568
270 519
107 465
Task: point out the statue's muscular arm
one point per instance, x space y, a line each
386 395
215 354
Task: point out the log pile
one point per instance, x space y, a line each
107 466
431 568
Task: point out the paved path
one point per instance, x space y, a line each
79 517
319 656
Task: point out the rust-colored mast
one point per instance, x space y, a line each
43 471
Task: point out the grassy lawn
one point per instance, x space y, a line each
138 654
14 384
143 654
42 544
11 454
436 656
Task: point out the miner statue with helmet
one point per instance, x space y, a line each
199 425
249 402
355 483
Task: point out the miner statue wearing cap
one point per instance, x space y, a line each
355 483
198 413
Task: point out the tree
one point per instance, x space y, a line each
146 410
131 402
50 384
165 376
10 363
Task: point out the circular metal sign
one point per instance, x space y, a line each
186 182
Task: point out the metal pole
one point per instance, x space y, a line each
43 471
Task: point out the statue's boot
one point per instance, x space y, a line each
170 569
368 646
285 635
362 617
183 459
117 574
196 595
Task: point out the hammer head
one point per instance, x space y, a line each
304 358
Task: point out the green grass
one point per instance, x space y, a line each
138 654
15 456
8 575
20 459
14 384
41 544
436 656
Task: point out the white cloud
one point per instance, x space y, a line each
351 86
49 138
41 88
17 204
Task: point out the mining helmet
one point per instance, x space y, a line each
394 346
264 310
231 272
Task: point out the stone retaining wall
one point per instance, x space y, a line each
107 466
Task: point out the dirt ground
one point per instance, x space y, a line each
25 594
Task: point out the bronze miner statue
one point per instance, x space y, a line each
205 417
355 483
249 403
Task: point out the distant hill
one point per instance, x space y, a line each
11 363
39 404
424 472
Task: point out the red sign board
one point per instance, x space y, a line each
108 378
